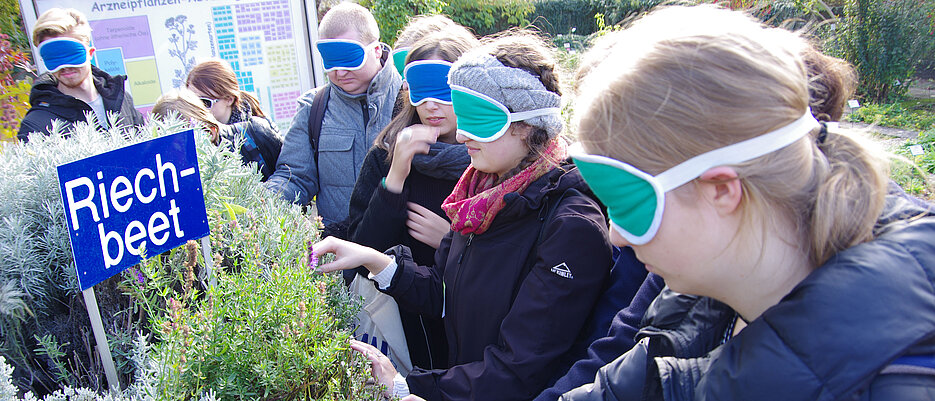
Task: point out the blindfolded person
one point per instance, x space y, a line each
72 87
527 254
696 133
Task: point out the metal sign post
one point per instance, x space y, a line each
143 198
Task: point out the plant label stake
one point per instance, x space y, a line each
141 199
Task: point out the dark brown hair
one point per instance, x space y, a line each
445 45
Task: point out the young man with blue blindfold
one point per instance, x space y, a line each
362 90
72 87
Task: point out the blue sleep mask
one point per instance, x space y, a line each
342 54
64 52
428 80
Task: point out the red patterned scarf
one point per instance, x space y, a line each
475 200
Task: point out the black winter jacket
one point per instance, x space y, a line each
508 321
828 339
48 103
259 141
377 218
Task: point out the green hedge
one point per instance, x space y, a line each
566 16
485 17
885 41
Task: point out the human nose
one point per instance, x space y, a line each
430 105
461 138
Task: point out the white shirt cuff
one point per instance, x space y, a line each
385 277
400 387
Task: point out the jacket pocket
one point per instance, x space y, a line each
336 158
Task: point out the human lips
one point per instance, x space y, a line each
434 121
472 151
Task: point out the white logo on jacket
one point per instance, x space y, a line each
562 270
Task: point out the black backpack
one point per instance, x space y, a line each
316 115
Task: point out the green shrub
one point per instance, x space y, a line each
14 93
393 15
270 328
885 41
11 23
485 17
566 16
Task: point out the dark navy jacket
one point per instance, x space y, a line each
828 339
618 338
509 321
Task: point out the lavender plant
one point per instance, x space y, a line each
272 328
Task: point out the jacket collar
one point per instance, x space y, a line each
550 185
110 88
851 301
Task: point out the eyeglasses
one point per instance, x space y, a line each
208 102
484 119
635 199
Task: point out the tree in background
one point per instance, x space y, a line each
886 41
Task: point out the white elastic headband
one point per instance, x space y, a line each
737 153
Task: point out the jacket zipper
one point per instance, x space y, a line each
455 290
428 345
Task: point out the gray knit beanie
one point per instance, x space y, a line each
517 89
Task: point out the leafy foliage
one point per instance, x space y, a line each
393 15
14 94
885 41
11 24
271 328
490 16
914 115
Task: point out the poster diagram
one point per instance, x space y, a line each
156 42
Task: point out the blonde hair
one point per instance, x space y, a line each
216 78
349 16
187 104
423 25
683 81
57 22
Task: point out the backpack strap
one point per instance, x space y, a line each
316 115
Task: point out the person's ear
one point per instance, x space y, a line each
91 51
721 187
521 129
378 50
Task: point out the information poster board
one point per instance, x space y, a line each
156 42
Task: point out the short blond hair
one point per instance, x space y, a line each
348 16
57 22
683 81
187 104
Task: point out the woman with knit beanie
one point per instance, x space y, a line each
527 254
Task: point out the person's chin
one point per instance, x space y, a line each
349 86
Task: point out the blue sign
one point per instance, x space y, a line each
141 199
